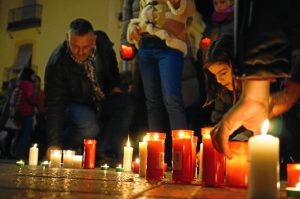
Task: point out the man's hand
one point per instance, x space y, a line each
250 111
48 153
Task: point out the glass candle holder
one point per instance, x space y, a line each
77 161
213 162
182 145
89 153
293 174
194 155
68 158
155 155
237 167
55 158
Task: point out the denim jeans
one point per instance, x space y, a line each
24 139
110 131
161 72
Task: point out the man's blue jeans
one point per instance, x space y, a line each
161 72
83 123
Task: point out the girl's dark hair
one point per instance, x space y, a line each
220 50
26 74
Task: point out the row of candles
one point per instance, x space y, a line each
255 163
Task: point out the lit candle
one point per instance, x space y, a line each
237 167
200 161
213 173
126 52
119 168
89 153
77 161
55 158
104 167
182 144
68 158
127 156
155 155
33 155
20 163
293 174
45 163
264 165
293 192
194 155
143 157
136 165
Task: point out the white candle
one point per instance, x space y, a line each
33 155
264 165
68 158
55 158
127 158
143 157
77 161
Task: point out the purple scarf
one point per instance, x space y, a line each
222 16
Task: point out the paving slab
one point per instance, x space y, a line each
41 182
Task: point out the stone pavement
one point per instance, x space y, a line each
39 182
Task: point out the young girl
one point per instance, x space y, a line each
221 87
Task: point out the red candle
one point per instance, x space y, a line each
293 174
165 167
126 52
182 143
237 167
194 154
136 166
213 162
89 153
155 155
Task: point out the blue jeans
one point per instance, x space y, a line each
109 131
161 72
24 140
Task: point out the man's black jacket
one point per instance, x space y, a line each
66 82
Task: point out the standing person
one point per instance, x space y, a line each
160 34
131 10
26 101
264 41
82 93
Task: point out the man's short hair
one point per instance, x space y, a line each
80 27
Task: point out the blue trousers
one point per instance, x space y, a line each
161 72
109 131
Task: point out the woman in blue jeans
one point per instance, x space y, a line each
160 35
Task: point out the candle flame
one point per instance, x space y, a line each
35 145
137 160
265 127
145 138
128 142
298 186
119 166
181 134
156 136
